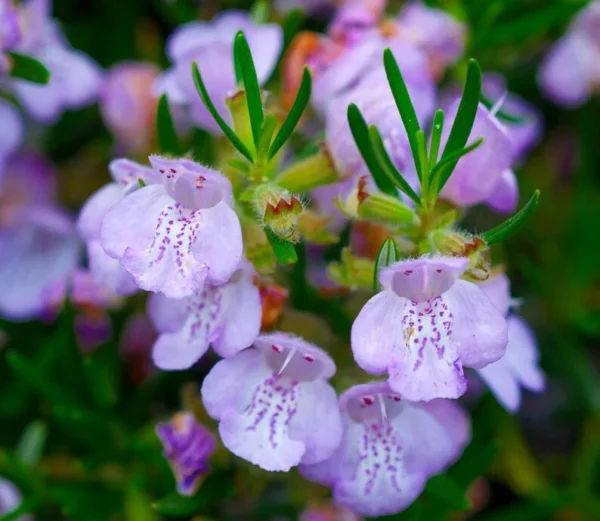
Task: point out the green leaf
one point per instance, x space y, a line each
31 444
423 161
404 104
441 171
388 254
229 133
437 127
294 115
266 134
513 224
251 85
28 68
465 117
284 251
102 371
448 491
388 167
168 142
360 133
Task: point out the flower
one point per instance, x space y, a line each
10 32
519 366
571 70
108 271
38 243
273 403
75 78
11 131
128 106
188 447
210 44
390 447
227 316
174 235
10 499
484 174
425 326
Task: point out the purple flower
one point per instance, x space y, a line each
38 241
355 19
10 499
75 78
273 403
188 447
519 366
210 45
128 106
10 32
175 235
310 6
11 131
425 326
438 34
484 173
108 271
226 316
390 447
571 70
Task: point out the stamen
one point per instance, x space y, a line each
288 359
496 108
382 408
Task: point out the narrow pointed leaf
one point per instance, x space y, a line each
31 445
168 142
388 254
404 104
28 68
513 224
360 133
293 117
388 167
443 170
448 491
251 85
284 251
437 127
465 117
227 130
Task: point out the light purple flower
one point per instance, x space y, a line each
519 366
175 235
38 241
126 178
310 6
10 499
210 45
228 317
188 447
425 326
11 131
374 98
570 72
355 19
480 174
390 447
434 31
273 403
128 106
75 78
10 32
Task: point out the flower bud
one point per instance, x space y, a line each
385 208
449 242
309 173
238 108
278 209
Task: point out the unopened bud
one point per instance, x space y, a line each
279 210
309 173
238 108
385 208
453 243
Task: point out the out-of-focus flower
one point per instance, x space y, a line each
330 511
390 447
75 79
425 326
10 33
128 105
310 6
227 317
39 243
10 499
210 45
273 403
11 131
483 175
571 71
174 235
188 447
519 366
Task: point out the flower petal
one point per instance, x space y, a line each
505 195
424 278
522 352
377 332
108 272
93 211
168 315
497 289
480 331
502 382
11 127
